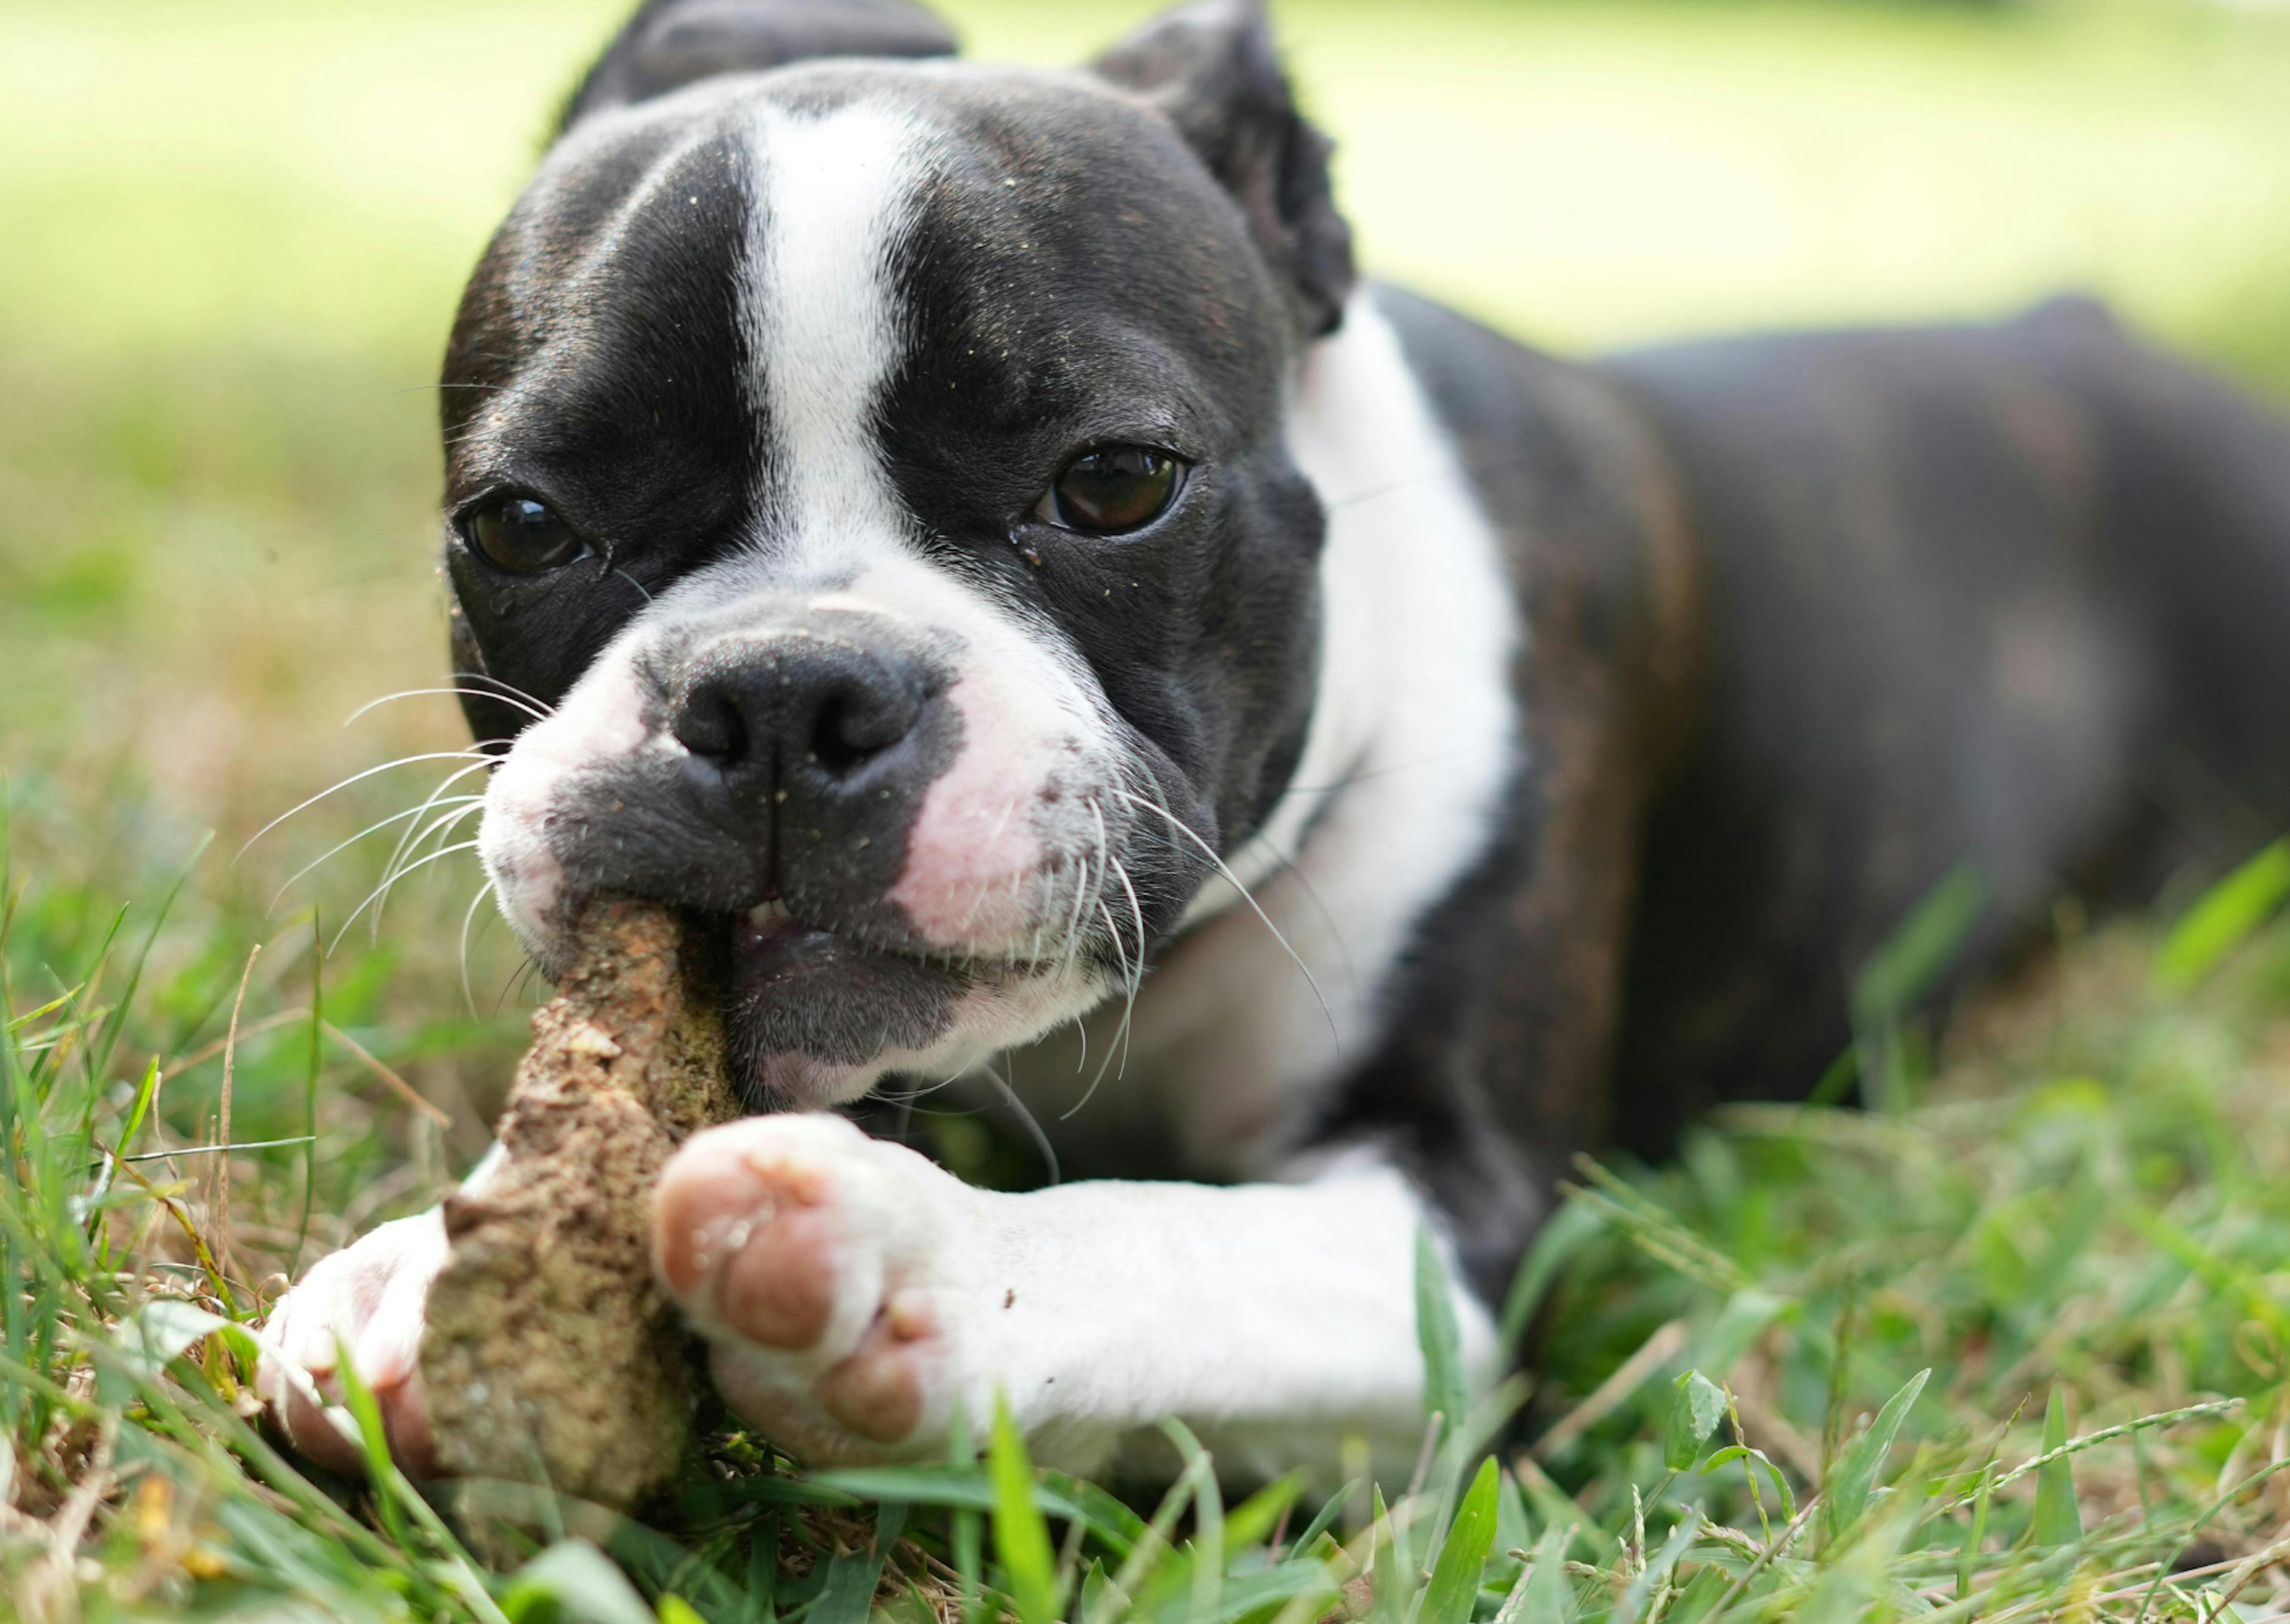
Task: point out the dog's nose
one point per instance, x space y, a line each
801 708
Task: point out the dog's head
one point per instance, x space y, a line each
867 473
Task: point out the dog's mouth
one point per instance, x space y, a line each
812 1010
770 946
767 934
769 941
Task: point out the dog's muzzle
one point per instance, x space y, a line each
765 776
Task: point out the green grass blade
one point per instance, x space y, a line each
1911 961
1138 1566
1387 1562
1021 1537
1656 1571
366 1411
2224 917
107 1039
1256 1517
1562 1236
580 1581
313 1062
1446 1392
1854 1479
1695 1412
123 1140
966 1534
1976 1536
1463 1555
975 1489
2058 1520
1545 1600
1325 1517
1208 1521
850 1589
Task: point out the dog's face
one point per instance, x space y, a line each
876 470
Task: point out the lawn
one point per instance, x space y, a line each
230 238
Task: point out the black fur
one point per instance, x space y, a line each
616 394
670 44
1212 70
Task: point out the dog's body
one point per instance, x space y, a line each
964 536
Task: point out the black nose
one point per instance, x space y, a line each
800 708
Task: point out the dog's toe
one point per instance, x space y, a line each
779 1288
816 1258
879 1391
366 1301
708 1204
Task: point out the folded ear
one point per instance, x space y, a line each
669 44
1212 70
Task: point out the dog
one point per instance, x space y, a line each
969 539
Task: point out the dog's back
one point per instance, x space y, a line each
2009 600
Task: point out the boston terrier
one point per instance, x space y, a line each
968 538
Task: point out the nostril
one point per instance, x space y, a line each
709 724
767 713
859 720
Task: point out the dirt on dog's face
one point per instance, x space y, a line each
877 473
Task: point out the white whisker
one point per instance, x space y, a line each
1137 973
382 890
979 896
371 828
1121 1033
411 841
529 709
467 994
493 684
1068 963
1248 897
515 979
1034 1128
403 761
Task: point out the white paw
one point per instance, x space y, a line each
831 1272
368 1299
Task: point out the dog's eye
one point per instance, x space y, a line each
521 536
1111 489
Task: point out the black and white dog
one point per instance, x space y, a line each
967 538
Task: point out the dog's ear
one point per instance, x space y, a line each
1212 70
669 44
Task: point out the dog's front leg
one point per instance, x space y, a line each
366 1302
856 1294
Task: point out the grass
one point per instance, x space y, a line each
2017 1346
235 232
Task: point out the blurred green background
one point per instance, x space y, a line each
232 233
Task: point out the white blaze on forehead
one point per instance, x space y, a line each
834 199
835 202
